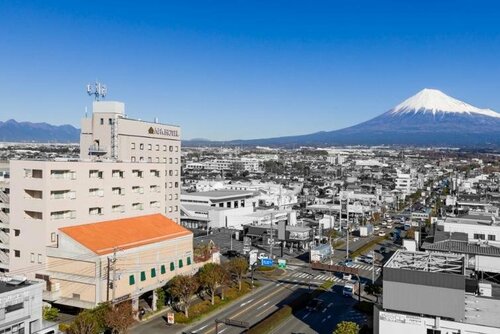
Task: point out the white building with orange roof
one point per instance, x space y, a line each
117 260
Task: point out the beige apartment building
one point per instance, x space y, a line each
110 134
137 254
48 195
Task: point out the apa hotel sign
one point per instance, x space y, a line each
163 132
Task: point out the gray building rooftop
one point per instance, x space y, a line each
220 194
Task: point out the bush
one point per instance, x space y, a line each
50 313
64 327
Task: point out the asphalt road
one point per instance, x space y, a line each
336 308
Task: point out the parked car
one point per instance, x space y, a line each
232 253
376 228
381 234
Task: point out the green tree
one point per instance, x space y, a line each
160 298
50 313
238 267
183 287
84 323
346 327
210 276
225 278
374 290
120 317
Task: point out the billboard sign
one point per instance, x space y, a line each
266 262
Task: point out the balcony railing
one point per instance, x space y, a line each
4 197
97 150
4 218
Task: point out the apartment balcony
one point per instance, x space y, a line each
4 219
4 197
97 150
4 258
4 240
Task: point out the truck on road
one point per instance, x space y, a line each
350 289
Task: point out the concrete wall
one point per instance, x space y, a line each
72 274
137 143
35 234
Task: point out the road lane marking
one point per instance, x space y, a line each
324 319
261 306
305 316
222 330
329 317
201 328
265 311
330 305
247 302
324 310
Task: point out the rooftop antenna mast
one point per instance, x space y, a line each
97 89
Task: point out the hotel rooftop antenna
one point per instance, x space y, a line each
98 90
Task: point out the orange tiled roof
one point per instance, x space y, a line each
101 238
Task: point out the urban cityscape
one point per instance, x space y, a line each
190 202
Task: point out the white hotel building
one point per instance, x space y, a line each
128 168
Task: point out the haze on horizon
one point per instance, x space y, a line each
240 70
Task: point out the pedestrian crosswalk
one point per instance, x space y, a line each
323 277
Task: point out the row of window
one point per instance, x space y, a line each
163 270
157 159
480 236
157 147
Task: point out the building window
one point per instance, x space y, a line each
176 184
143 276
170 160
102 121
110 121
479 236
17 232
172 266
181 264
132 159
141 146
157 147
171 172
150 147
131 280
491 237
177 149
163 270
157 159
171 148
40 258
188 260
176 196
12 308
32 257
53 237
17 253
132 146
176 172
433 331
176 208
153 272
164 160
95 211
176 160
170 196
150 159
164 147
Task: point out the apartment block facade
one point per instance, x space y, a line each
48 195
4 217
110 134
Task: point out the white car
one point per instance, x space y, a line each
389 226
376 228
381 234
262 256
384 223
347 277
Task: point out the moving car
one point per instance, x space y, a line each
381 234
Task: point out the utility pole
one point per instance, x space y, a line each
107 279
113 284
271 240
373 267
347 247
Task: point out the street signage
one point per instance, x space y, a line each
282 264
266 262
170 318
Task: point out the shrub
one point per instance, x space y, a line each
50 313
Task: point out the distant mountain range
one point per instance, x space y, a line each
429 118
13 131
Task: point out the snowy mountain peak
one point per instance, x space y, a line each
434 101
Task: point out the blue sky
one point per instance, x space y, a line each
245 69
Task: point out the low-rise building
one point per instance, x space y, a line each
431 293
21 307
116 260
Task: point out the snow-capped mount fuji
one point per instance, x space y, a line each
436 102
429 118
